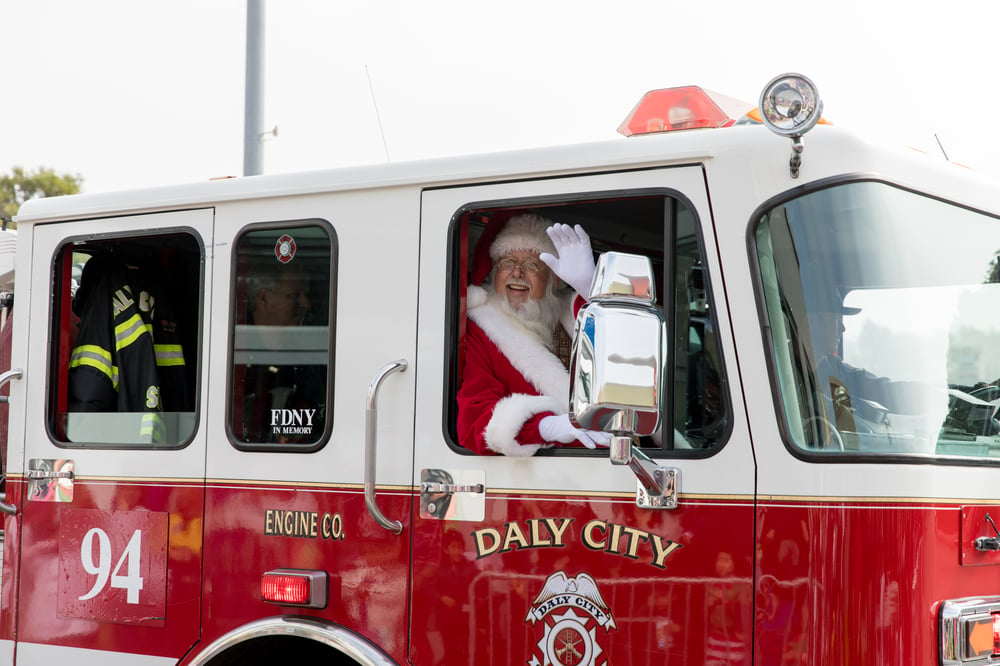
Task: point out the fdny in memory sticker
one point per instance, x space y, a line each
571 611
284 249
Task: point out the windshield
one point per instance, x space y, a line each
883 312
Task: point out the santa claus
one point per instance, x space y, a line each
514 395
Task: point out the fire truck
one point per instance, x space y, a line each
789 338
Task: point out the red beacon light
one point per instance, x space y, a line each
687 107
295 587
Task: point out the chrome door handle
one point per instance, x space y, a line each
371 437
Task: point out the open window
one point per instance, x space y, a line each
125 343
283 343
655 224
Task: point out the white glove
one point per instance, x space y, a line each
575 263
559 429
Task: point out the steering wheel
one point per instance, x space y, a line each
987 393
817 423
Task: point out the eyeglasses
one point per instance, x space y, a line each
529 266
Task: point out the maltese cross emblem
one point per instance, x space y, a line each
571 615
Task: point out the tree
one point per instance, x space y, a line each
22 185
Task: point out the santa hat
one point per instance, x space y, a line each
522 233
504 235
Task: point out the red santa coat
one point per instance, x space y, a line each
510 382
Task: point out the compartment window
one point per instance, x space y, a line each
125 354
696 411
282 338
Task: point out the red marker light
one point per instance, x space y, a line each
687 107
294 587
996 633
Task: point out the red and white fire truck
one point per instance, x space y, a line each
826 366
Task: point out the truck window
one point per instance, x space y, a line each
282 337
883 320
660 227
126 315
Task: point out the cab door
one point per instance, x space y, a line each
109 414
551 559
294 497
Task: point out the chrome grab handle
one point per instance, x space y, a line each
6 377
371 431
431 487
48 474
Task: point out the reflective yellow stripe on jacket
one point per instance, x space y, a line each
97 358
130 330
169 355
152 428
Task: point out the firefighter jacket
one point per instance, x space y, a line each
128 356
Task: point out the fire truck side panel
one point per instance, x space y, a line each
571 517
99 543
253 496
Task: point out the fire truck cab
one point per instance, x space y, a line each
818 487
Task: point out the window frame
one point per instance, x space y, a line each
457 239
58 331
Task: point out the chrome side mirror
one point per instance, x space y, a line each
619 350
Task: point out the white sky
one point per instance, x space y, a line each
130 93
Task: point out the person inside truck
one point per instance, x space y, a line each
278 294
527 277
856 397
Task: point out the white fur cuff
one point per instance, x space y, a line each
509 416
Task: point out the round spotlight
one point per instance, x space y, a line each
790 105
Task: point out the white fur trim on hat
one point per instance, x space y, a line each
475 296
523 232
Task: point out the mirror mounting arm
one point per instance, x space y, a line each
657 484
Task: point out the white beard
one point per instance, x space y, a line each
537 316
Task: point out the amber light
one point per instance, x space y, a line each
291 587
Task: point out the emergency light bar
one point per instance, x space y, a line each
789 106
688 107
